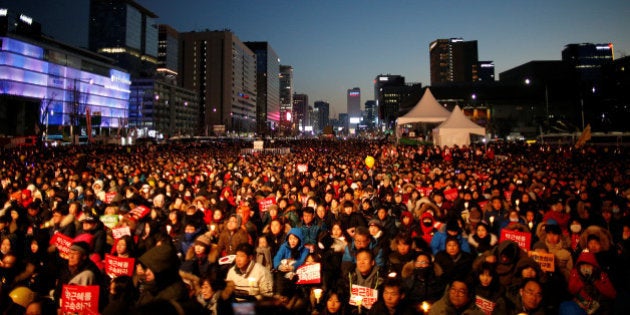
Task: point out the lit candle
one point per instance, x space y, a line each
252 282
531 225
491 219
466 205
318 294
358 300
517 202
425 307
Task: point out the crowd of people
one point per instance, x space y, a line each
211 228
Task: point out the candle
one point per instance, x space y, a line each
425 307
466 205
491 219
318 294
252 283
531 225
358 299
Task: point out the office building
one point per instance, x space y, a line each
323 114
370 114
485 71
168 53
267 85
286 96
159 109
354 104
47 82
300 111
453 61
126 32
587 60
222 70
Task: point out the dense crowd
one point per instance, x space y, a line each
327 227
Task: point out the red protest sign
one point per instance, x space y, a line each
79 299
264 204
363 296
309 274
118 266
120 232
450 194
109 197
523 239
62 242
485 305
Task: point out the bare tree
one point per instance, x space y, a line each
42 123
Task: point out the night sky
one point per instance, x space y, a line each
334 45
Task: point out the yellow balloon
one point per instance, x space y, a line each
369 161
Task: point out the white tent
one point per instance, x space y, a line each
426 110
456 130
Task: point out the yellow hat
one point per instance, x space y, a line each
22 296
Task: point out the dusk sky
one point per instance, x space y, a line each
337 45
341 44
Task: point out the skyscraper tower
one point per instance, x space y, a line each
286 95
125 31
354 103
268 86
222 70
300 110
453 60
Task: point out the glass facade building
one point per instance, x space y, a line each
61 83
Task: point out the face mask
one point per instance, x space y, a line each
576 228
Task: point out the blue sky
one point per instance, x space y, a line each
334 45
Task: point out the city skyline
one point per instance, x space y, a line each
335 46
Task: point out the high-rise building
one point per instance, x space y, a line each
268 86
389 92
168 52
127 32
587 60
354 103
300 111
286 95
323 114
485 71
222 70
371 114
453 61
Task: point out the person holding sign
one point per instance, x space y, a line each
364 281
78 269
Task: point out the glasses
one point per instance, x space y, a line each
459 291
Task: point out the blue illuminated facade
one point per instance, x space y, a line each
65 83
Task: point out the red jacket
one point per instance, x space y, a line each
578 284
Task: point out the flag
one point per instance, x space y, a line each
585 136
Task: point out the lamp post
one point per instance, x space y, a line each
528 82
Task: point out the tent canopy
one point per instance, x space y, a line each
456 130
426 110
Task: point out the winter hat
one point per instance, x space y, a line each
86 238
203 239
81 247
377 223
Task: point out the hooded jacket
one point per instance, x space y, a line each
168 285
579 284
285 252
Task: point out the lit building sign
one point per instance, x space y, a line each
3 12
26 19
355 120
487 65
354 94
604 47
383 79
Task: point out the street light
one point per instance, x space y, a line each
528 82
